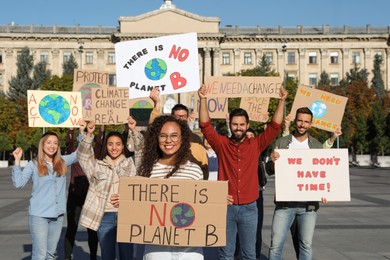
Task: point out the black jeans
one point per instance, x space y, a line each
73 207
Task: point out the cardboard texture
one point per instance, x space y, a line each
84 81
328 109
110 105
169 62
235 87
172 212
257 108
312 174
53 108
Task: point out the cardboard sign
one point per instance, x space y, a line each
110 105
140 109
53 108
328 109
312 174
257 108
169 62
217 106
84 81
172 212
234 87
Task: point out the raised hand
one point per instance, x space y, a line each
202 91
155 96
131 123
17 153
91 127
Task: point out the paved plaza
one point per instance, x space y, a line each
359 229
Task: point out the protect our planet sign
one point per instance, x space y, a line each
54 108
169 62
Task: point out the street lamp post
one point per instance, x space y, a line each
284 49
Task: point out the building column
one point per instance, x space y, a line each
258 56
100 59
387 69
237 55
55 61
303 78
345 61
324 60
207 62
368 62
10 67
201 64
216 62
280 63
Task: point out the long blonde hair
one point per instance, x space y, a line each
59 165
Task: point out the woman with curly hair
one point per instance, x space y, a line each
165 155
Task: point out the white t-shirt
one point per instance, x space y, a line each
295 144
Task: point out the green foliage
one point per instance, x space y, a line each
324 80
377 128
377 83
360 137
19 84
69 66
262 70
22 141
56 83
40 75
5 144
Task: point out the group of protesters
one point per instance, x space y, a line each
167 149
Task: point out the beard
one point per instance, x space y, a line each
238 138
301 131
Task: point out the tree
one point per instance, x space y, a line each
56 83
21 141
5 144
377 128
324 80
19 84
69 66
377 83
360 137
262 70
40 75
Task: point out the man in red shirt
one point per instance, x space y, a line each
238 163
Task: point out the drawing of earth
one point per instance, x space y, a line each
155 69
54 109
182 215
318 108
86 95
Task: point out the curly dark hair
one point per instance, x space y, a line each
151 152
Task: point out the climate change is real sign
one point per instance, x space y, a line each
169 62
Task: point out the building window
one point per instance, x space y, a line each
1 79
312 57
225 58
112 79
269 57
291 58
313 80
292 75
89 57
44 56
1 57
67 56
247 58
334 79
334 57
111 57
356 57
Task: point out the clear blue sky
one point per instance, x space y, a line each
239 12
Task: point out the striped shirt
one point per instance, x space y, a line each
188 171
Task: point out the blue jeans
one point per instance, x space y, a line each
45 234
241 219
281 223
107 239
